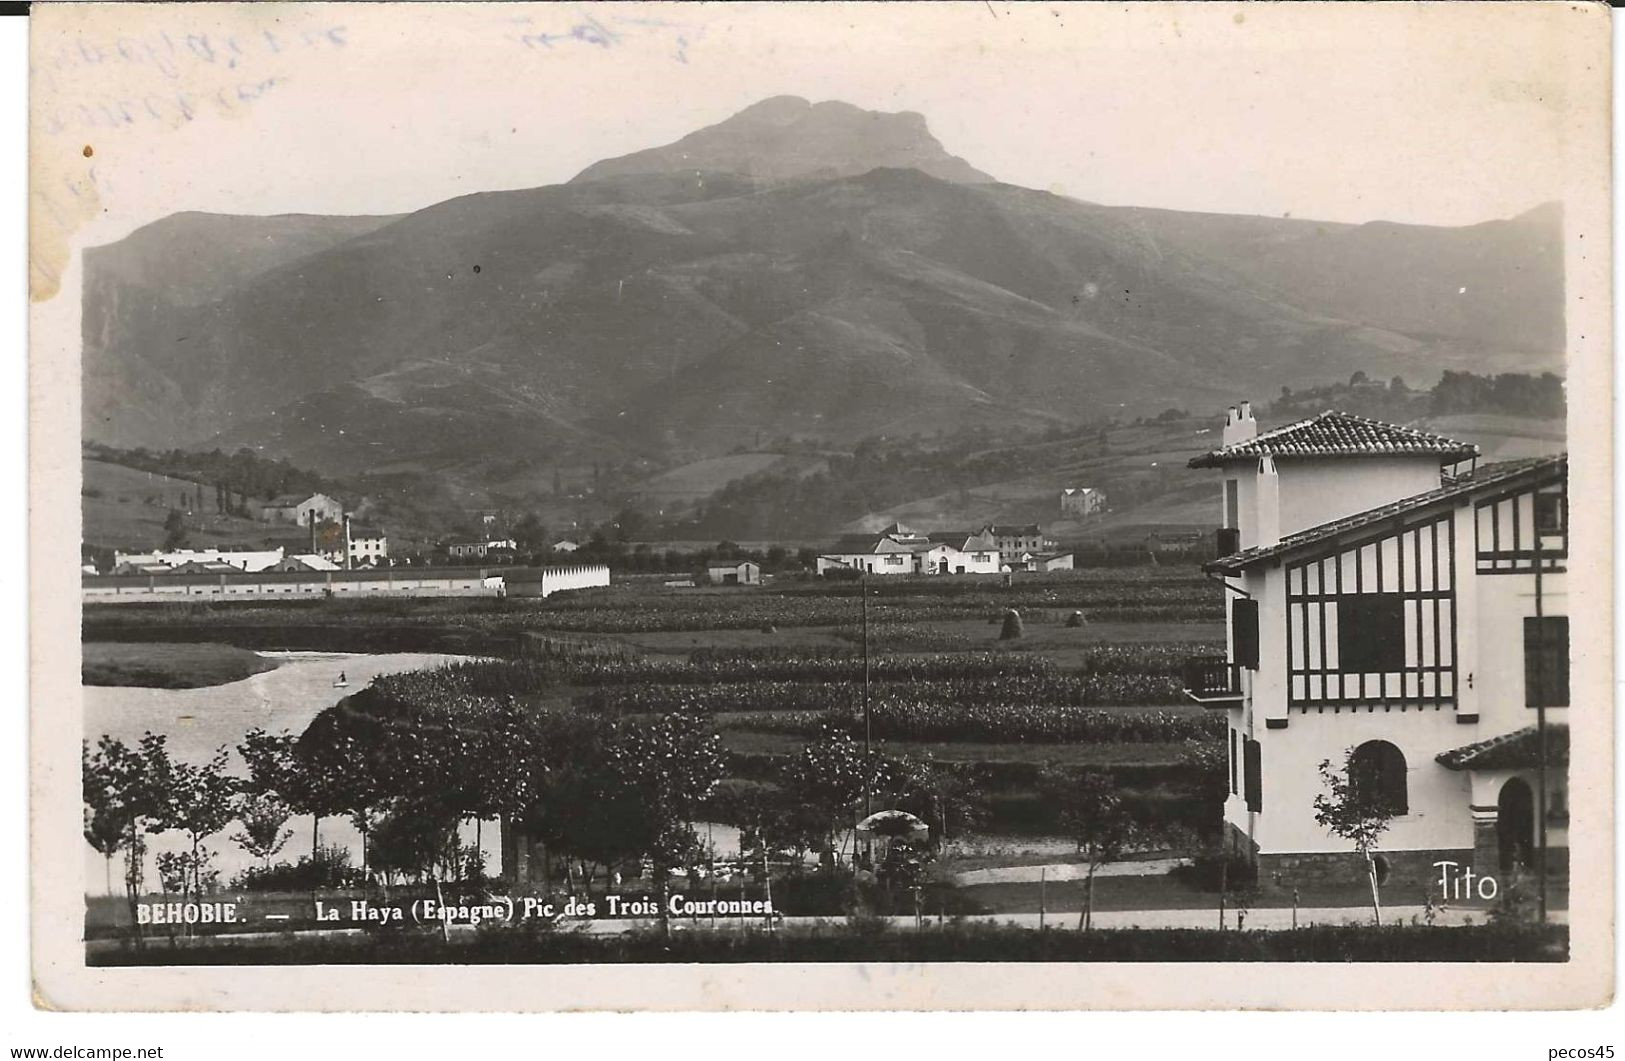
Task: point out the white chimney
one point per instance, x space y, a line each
1266 523
1239 425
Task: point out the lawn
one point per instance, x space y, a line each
168 666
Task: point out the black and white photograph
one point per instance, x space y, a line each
763 492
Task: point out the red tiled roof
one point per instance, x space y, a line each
1334 434
1485 477
1510 751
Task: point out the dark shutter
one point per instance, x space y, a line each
1546 661
1252 771
1549 513
1234 786
1370 633
1232 503
1244 631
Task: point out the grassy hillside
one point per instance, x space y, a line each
124 508
700 479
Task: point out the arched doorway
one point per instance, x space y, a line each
1515 824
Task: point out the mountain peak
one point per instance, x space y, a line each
791 138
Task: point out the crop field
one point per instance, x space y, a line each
1091 683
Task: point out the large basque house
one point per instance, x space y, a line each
1396 607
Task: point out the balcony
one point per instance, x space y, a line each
1227 542
1212 681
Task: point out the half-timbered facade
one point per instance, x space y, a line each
1409 619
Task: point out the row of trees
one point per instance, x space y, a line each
234 477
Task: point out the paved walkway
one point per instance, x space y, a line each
1059 871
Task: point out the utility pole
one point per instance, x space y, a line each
1540 716
868 760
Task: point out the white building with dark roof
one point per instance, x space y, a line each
301 509
1390 600
899 550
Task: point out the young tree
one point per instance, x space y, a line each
198 801
1094 817
124 794
263 817
1356 813
108 805
829 778
666 769
946 796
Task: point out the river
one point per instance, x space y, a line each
198 721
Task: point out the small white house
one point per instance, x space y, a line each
733 573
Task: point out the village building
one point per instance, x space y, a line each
1014 540
1042 562
304 562
480 550
899 550
301 509
369 546
170 559
1081 502
546 581
1393 606
565 545
733 573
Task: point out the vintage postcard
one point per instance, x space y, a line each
923 506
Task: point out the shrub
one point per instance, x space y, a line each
329 869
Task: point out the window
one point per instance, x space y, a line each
1232 503
894 559
1244 631
1377 774
1546 661
1549 513
1371 633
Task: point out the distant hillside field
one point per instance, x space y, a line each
702 478
125 509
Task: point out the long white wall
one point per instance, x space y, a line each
469 582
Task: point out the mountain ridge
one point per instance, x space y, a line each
644 313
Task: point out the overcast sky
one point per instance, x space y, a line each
1452 114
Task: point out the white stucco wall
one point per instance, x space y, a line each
1318 491
1503 603
1490 685
1439 817
1306 492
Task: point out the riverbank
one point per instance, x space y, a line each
174 665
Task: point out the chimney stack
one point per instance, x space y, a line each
346 541
1239 425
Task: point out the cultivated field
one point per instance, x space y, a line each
774 667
